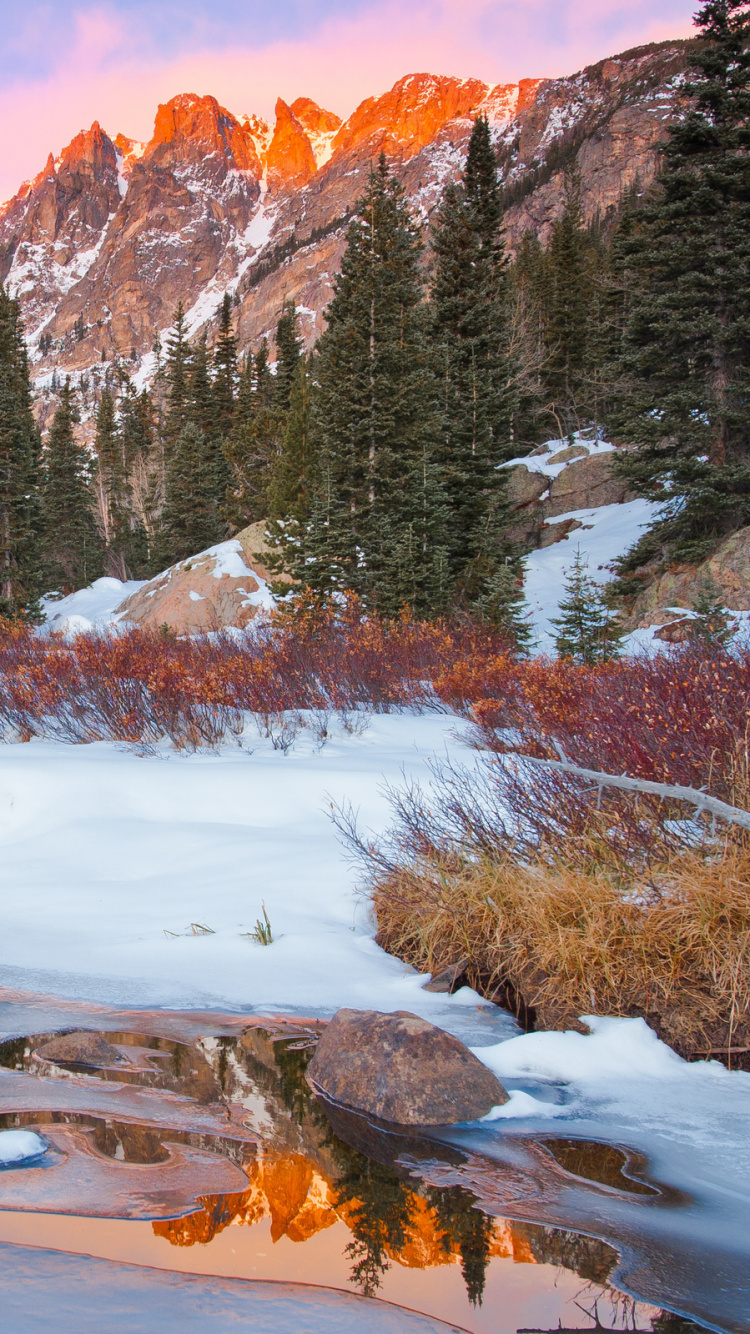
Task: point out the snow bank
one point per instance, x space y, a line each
605 534
620 1083
109 858
50 1290
91 608
18 1145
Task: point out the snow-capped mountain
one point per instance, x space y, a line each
103 243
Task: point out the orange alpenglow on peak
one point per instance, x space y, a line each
291 160
190 128
92 148
315 119
408 117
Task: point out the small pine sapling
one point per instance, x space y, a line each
585 632
711 624
504 606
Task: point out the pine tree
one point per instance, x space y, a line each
684 263
568 312
200 404
292 470
375 415
504 606
252 447
72 548
191 519
176 371
225 371
470 312
145 479
711 624
19 473
288 355
585 632
110 487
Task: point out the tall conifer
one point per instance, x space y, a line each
110 487
225 371
19 472
375 416
176 372
470 301
684 262
72 547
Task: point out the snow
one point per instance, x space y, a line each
91 608
544 462
622 1084
51 1290
18 1145
605 534
109 856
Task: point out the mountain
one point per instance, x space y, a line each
103 243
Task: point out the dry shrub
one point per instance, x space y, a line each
674 948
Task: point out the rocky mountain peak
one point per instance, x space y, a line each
291 160
91 152
320 125
409 116
190 129
104 242
130 151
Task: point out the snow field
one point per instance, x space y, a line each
109 857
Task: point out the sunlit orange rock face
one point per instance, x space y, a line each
314 118
409 116
291 160
194 129
107 239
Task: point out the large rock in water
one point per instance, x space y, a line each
401 1069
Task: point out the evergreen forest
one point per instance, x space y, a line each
374 460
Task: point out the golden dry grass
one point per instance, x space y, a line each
567 941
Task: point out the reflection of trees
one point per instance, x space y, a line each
376 1205
466 1230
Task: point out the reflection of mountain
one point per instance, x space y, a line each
418 1232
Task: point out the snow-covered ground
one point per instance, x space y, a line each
605 534
109 858
91 608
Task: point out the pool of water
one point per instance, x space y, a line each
192 1176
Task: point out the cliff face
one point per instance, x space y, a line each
104 242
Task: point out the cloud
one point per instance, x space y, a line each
114 67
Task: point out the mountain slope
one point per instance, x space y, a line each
104 242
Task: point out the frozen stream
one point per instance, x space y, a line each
130 883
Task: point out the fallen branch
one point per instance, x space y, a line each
701 800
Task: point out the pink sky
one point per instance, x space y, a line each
110 68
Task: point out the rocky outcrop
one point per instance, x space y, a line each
548 484
664 600
586 483
203 593
106 240
291 160
402 1070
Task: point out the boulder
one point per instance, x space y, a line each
568 454
524 487
81 1049
557 532
585 484
217 588
401 1069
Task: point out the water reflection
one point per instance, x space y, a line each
244 1100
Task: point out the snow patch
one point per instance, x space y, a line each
91 608
16 1146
